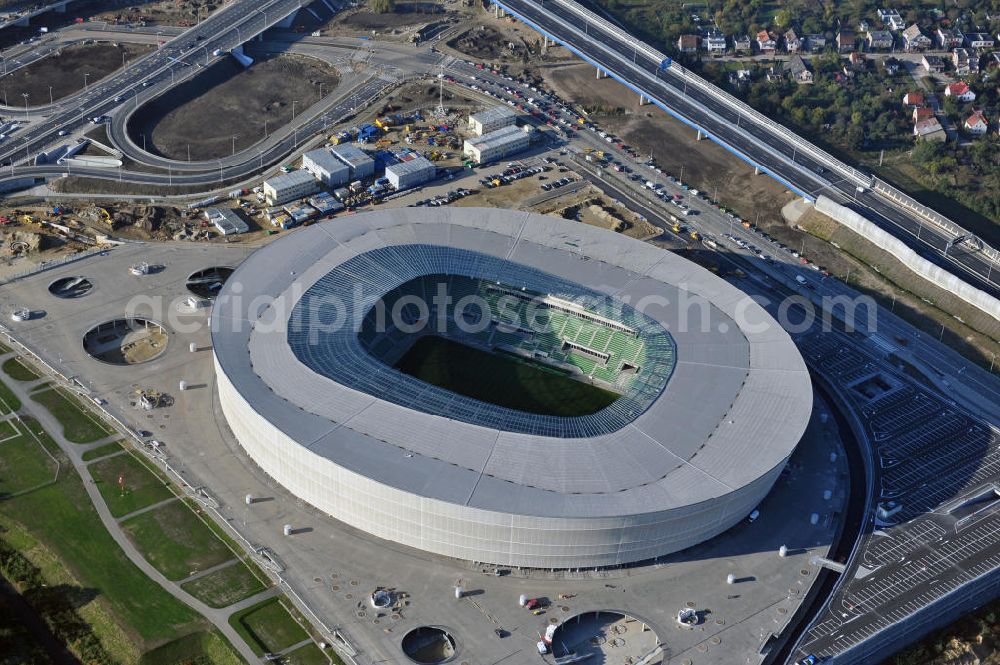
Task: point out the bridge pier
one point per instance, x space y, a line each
498 11
756 170
643 100
601 74
700 136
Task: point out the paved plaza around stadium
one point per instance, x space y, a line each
334 567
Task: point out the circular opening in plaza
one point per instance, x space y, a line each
126 341
429 644
506 387
207 282
71 287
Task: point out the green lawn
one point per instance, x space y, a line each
141 487
9 402
225 586
61 516
79 425
501 379
175 541
268 627
202 648
102 450
23 462
311 654
7 430
17 370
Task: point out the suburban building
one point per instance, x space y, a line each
979 40
685 44
949 39
361 165
891 19
289 186
799 70
929 130
976 124
815 43
714 42
915 40
325 167
765 43
960 91
226 220
933 64
857 61
891 66
964 62
740 78
496 145
922 113
994 60
792 42
914 99
742 44
845 41
491 119
410 172
879 40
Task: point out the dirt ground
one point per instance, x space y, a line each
238 101
408 18
489 39
63 71
162 12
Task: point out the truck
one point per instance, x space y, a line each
217 52
800 279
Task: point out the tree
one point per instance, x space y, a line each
382 6
782 18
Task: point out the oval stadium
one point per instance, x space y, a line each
506 387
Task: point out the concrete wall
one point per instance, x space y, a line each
932 273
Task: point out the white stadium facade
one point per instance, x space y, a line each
700 433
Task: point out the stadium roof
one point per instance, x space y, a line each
734 408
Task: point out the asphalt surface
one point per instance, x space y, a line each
627 61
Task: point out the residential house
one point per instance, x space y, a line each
933 64
949 39
687 43
891 66
964 62
775 72
714 42
765 43
891 19
960 91
922 113
742 44
857 62
979 40
799 70
879 40
929 130
976 124
740 78
914 99
994 60
815 43
915 40
846 41
792 42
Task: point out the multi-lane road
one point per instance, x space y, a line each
628 60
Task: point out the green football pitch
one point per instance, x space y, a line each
501 379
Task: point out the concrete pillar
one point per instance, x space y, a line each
643 100
756 170
700 135
601 74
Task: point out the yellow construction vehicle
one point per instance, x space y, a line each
27 219
695 236
105 217
676 228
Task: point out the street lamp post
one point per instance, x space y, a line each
234 143
86 85
25 95
294 102
189 152
265 127
50 96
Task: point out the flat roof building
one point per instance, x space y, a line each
360 164
497 145
491 119
289 186
325 167
226 220
410 173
